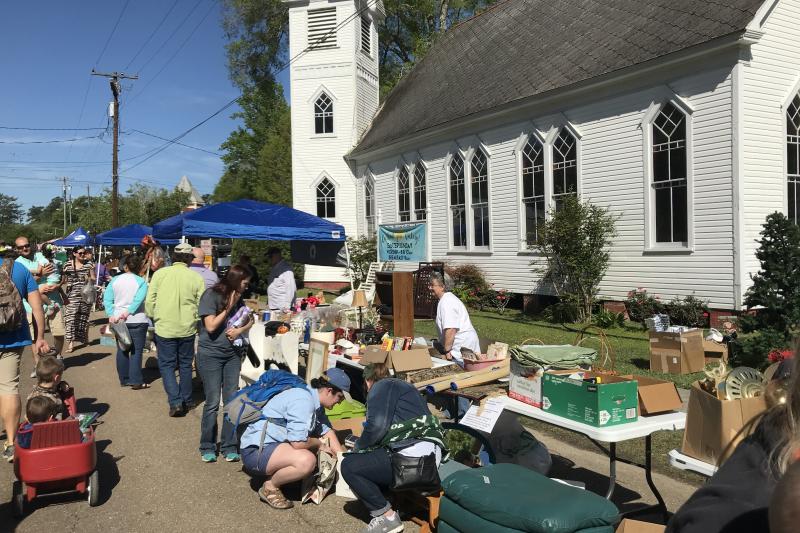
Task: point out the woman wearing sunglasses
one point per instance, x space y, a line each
77 273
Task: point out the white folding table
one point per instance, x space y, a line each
644 427
335 359
684 462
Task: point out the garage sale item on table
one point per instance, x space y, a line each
598 400
713 426
489 500
528 363
656 396
677 352
399 360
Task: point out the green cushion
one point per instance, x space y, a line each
346 409
521 499
453 517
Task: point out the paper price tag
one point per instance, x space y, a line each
487 418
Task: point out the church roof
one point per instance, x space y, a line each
194 195
523 48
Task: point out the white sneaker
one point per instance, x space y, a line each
33 374
381 524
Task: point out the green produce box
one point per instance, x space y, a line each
612 402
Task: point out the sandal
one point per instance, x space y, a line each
274 498
140 387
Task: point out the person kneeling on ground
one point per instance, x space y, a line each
398 421
283 444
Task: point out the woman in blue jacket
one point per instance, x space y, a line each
283 445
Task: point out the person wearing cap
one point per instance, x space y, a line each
284 443
281 287
172 302
398 422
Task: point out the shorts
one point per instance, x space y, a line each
56 323
9 370
256 463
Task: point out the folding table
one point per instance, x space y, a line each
643 427
684 462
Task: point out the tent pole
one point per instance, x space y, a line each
349 271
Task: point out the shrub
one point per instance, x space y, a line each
753 349
608 319
561 312
470 285
362 252
641 305
574 244
689 311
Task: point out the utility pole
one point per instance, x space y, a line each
114 78
64 204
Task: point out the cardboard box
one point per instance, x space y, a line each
677 353
656 396
635 526
356 425
714 426
525 384
416 358
715 351
612 402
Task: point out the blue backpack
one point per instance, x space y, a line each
245 406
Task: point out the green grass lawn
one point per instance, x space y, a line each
630 344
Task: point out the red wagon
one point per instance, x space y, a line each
60 459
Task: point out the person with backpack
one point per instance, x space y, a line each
218 360
16 284
292 427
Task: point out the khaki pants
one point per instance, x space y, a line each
9 370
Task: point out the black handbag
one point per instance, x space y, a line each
417 473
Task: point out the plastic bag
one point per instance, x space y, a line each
88 293
122 334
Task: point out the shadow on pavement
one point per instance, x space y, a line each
90 405
107 467
84 359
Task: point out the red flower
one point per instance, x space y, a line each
776 356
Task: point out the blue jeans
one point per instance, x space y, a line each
176 353
218 371
129 364
367 474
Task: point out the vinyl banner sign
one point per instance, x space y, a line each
402 242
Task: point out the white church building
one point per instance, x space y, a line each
682 117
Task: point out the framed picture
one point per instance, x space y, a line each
317 359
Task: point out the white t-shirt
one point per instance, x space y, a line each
451 313
281 286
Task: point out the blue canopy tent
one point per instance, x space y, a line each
129 235
169 228
314 240
79 237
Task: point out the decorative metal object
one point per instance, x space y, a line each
743 382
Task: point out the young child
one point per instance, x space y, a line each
48 374
51 300
38 409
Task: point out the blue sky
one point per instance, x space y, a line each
48 51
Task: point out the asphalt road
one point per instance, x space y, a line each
151 476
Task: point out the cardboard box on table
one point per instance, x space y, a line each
635 526
677 353
416 358
525 384
714 426
656 396
715 352
612 402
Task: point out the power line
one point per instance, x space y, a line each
178 143
54 140
322 38
113 30
48 129
147 41
174 55
171 35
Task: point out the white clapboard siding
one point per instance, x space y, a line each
768 80
612 175
355 99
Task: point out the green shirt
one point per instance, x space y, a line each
172 301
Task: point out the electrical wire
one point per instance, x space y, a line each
49 129
174 55
178 143
54 141
113 30
150 38
171 35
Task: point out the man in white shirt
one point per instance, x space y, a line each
281 285
452 321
